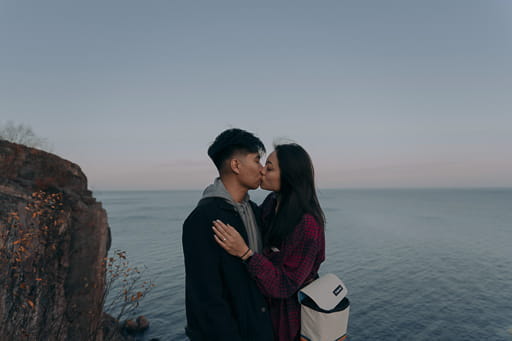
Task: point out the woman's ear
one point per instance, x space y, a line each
235 166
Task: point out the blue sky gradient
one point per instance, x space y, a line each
381 93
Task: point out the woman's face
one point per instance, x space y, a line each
271 174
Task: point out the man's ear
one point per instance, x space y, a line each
234 164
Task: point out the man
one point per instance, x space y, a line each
223 303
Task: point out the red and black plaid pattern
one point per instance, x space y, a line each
280 273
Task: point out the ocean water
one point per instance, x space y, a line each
419 264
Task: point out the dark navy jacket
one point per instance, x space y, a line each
223 303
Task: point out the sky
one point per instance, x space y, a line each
380 93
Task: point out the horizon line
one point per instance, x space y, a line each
324 188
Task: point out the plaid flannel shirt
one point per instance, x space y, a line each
280 273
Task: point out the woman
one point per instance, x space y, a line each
294 237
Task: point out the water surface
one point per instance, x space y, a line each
419 264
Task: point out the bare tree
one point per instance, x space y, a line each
22 134
124 288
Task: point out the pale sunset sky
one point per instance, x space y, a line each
380 93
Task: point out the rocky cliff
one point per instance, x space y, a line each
54 237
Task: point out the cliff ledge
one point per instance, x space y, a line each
54 237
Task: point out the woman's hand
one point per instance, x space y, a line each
229 239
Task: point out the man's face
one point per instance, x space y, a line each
250 170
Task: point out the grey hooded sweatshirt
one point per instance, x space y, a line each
244 208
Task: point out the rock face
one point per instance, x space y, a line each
53 239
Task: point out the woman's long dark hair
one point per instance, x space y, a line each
297 195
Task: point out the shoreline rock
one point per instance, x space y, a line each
54 237
139 325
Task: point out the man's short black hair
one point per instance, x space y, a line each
231 141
